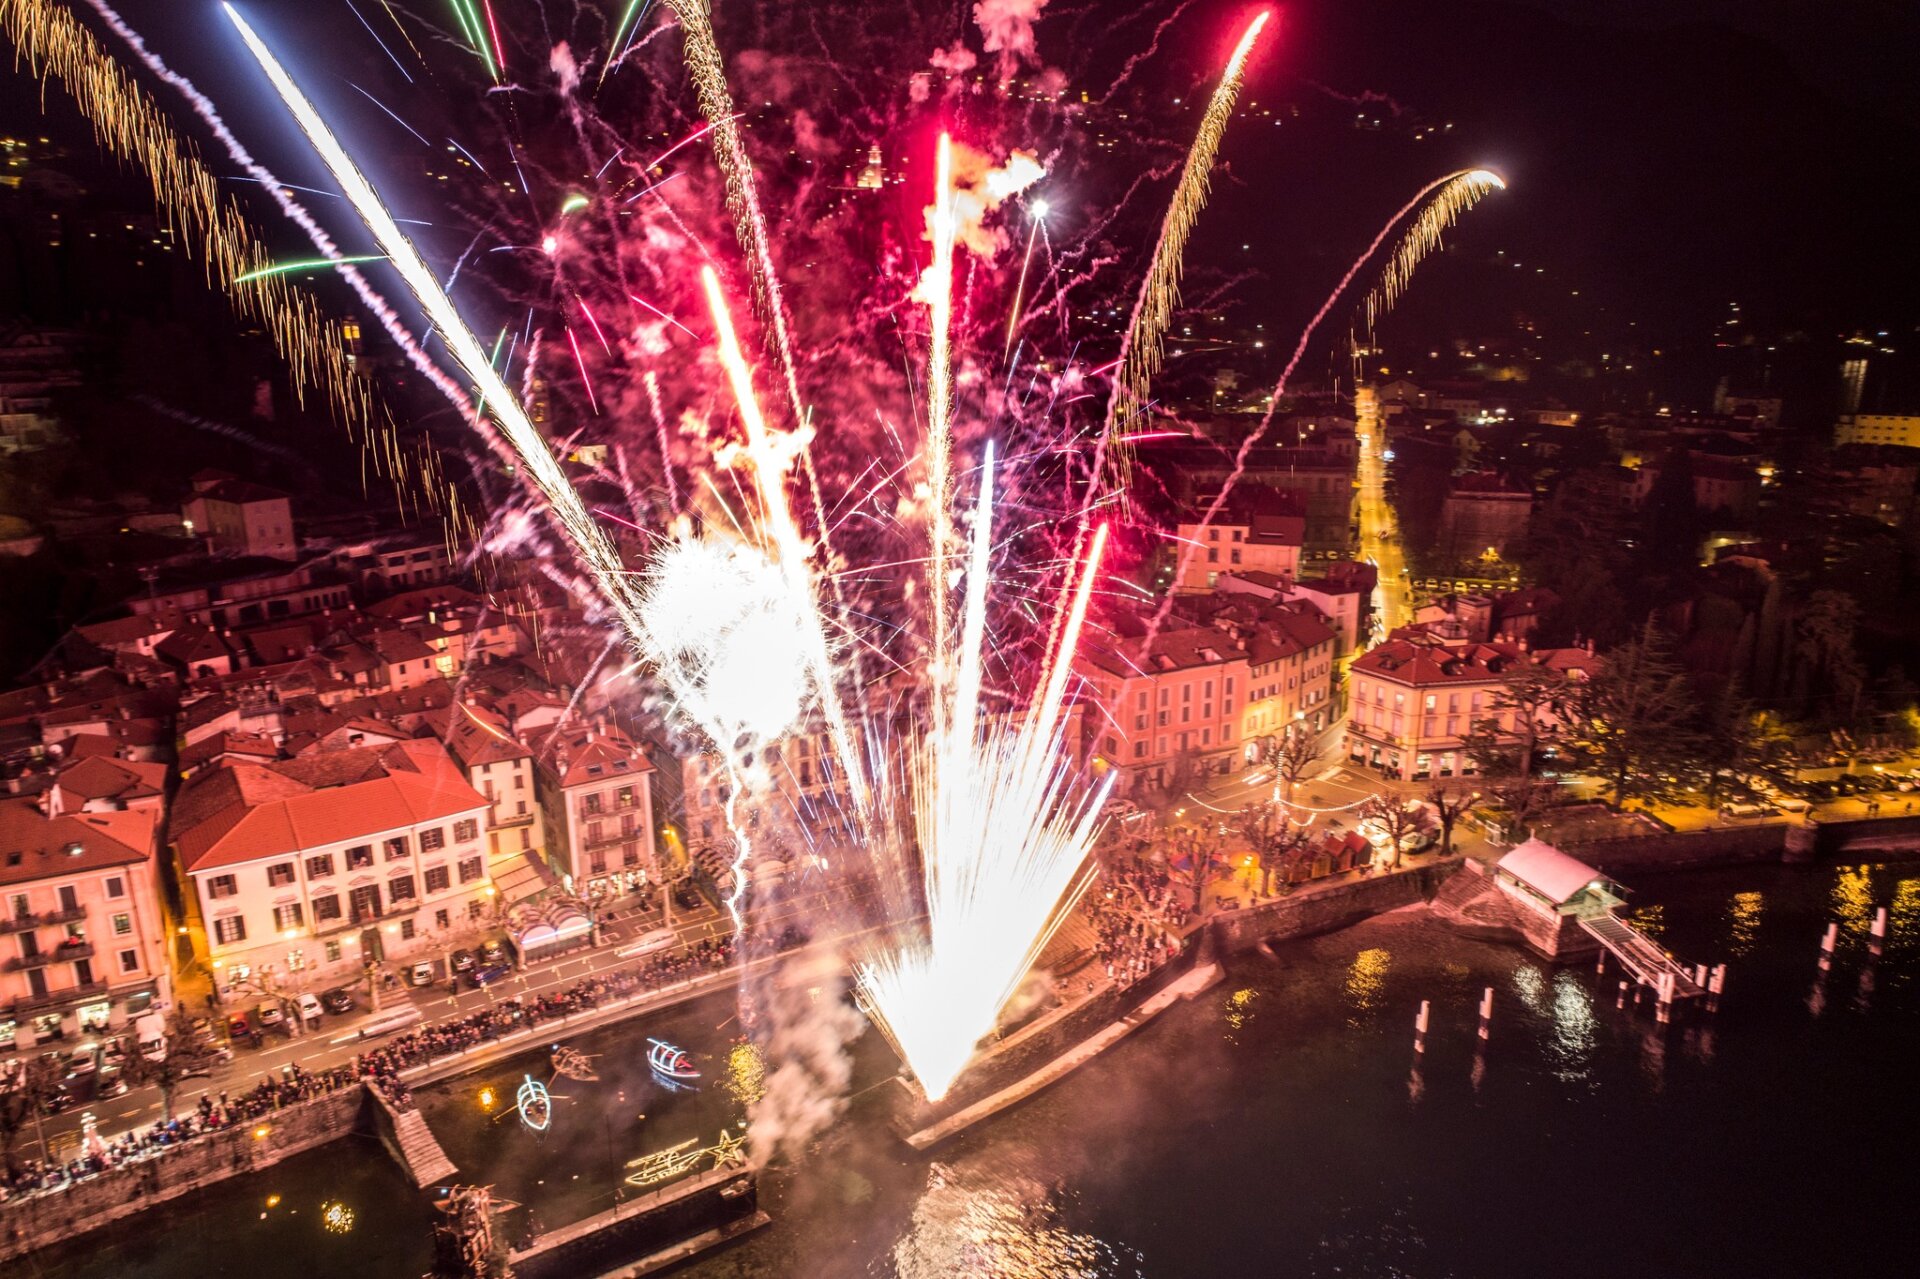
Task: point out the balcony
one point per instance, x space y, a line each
28 1004
508 823
58 955
45 919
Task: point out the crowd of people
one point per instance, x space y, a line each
1137 918
97 1154
378 1068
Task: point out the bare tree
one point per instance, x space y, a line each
1290 755
1450 803
183 1054
1271 833
1201 848
26 1097
1399 820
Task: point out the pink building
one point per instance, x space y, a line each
82 942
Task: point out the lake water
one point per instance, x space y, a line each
1276 1126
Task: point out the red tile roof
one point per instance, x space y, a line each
248 812
41 843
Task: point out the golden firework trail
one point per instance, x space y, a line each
1458 193
128 124
709 74
940 410
1142 349
590 543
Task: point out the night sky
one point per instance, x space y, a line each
1666 158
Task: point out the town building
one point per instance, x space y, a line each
501 768
82 942
239 517
1418 696
1221 675
1241 538
1483 515
303 870
596 787
1902 429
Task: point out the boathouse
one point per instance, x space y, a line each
1550 882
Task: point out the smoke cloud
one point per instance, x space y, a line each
1007 28
808 1068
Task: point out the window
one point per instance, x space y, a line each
526 838
396 848
222 886
69 899
333 952
519 808
591 804
18 906
469 869
122 925
287 916
359 856
625 797
594 833
116 886
474 908
230 929
319 867
1139 750
433 839
400 888
440 919
466 830
599 859
406 930
326 908
438 879
280 874
129 961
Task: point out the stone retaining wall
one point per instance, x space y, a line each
33 1221
1685 850
1324 908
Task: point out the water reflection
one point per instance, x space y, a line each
1003 1225
1743 923
1366 978
1903 914
1852 898
1566 1005
1649 918
1239 1011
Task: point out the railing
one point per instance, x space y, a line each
58 955
507 823
45 919
34 1003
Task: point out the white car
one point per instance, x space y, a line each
309 1009
658 940
269 1014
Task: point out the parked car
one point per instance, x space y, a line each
493 951
84 1061
462 961
309 1009
1791 804
487 974
239 1028
1733 812
337 1000
420 974
270 1016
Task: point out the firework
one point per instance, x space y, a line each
1141 350
709 74
938 286
595 551
1458 192
1003 842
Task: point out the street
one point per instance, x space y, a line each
1379 531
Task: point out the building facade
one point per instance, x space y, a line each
1417 697
596 785
304 870
82 942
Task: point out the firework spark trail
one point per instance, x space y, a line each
770 477
1458 192
127 123
704 64
652 383
1141 349
1003 850
589 542
296 212
939 289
